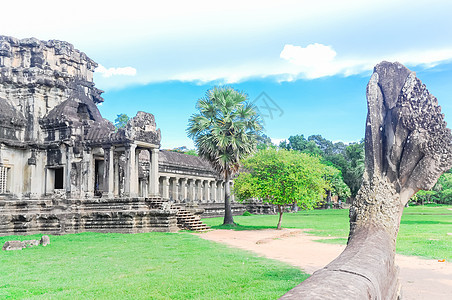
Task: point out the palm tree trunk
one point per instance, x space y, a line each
281 211
228 219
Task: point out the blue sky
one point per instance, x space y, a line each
311 58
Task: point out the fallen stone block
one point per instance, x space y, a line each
13 245
30 243
45 240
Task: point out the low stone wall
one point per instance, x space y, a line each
261 208
53 216
217 209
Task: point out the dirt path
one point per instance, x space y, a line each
421 278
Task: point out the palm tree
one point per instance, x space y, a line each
224 131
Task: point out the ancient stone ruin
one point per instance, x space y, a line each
19 245
407 148
64 168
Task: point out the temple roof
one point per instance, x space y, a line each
184 160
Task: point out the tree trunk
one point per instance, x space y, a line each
408 147
228 219
281 211
328 199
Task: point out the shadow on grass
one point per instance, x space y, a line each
239 227
415 222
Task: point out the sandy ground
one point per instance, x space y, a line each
421 278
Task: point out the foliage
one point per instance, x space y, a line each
423 229
338 187
282 177
191 152
299 143
441 193
349 159
121 121
122 266
264 142
246 213
225 130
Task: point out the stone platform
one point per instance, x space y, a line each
62 216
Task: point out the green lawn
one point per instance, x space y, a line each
423 229
183 266
140 266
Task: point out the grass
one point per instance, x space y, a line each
183 266
140 266
424 232
331 222
423 229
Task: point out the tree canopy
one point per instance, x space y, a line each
349 159
121 121
283 177
441 193
225 130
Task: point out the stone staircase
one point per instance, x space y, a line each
189 221
185 219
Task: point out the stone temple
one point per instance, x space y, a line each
64 168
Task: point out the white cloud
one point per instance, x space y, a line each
317 60
125 71
277 141
310 56
309 62
205 41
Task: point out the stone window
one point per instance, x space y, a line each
4 172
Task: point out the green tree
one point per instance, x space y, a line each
282 177
264 142
336 183
191 152
349 159
299 143
441 193
121 121
225 130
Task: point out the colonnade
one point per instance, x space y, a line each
191 189
130 179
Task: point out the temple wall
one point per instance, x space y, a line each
65 169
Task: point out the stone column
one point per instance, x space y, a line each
108 171
183 190
175 188
88 173
199 194
153 181
116 175
213 191
191 190
220 192
131 184
165 190
67 176
206 197
137 174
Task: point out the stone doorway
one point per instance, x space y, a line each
99 169
58 178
